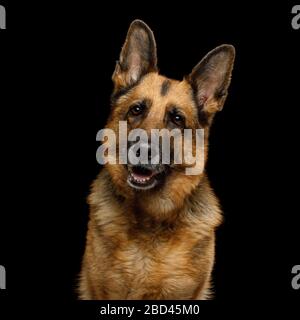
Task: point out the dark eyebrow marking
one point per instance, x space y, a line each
165 87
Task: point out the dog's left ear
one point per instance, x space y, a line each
138 56
211 77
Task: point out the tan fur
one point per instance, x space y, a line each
157 243
131 256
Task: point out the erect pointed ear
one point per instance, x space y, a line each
211 77
138 56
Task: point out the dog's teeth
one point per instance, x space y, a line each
138 180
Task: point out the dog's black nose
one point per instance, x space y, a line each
146 149
144 153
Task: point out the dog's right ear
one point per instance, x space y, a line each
138 56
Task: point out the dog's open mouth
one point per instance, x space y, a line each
143 178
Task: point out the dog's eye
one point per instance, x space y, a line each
177 119
137 109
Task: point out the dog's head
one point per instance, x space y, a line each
147 100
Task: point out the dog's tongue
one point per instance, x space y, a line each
142 174
139 175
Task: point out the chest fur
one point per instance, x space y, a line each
157 265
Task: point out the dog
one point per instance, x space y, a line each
151 229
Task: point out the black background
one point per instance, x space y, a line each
56 67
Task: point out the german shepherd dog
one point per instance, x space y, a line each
151 231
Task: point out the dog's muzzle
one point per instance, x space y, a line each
144 167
